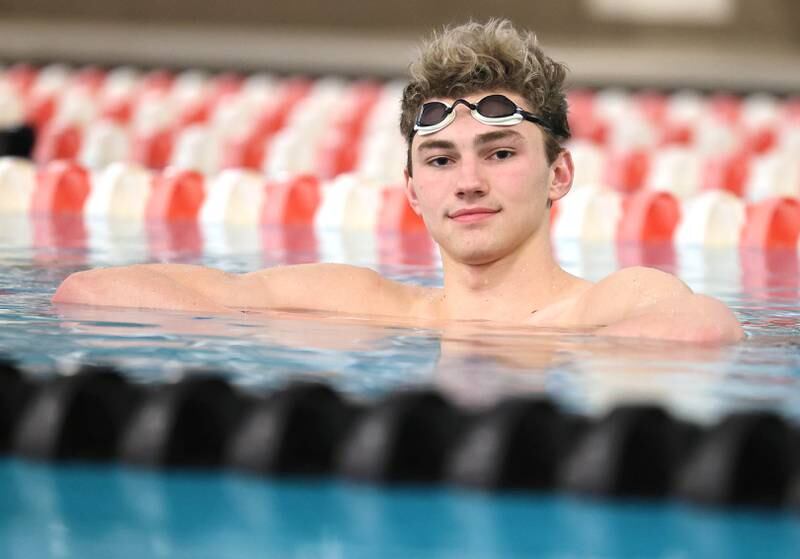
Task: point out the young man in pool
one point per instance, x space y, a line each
484 115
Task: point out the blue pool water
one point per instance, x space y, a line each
81 511
110 511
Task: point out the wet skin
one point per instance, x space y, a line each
482 192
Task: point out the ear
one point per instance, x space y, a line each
562 172
411 193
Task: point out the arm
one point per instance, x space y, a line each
324 287
647 303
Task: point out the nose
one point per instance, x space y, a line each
471 181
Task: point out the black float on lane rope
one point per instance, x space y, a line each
414 436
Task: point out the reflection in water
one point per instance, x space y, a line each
414 249
59 239
654 255
167 240
115 241
291 244
55 511
771 275
475 363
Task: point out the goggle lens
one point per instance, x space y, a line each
432 113
496 106
495 109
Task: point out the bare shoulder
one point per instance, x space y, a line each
561 312
626 292
642 281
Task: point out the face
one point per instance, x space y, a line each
482 190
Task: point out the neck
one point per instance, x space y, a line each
510 288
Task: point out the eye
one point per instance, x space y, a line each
440 161
502 154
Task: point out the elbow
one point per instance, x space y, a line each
714 324
721 333
100 286
736 335
722 324
133 287
695 318
732 330
74 289
707 320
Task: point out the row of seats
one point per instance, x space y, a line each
124 191
682 141
714 123
235 196
686 172
714 218
71 241
291 125
678 169
406 437
605 116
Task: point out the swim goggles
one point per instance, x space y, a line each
494 110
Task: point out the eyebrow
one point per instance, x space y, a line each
490 137
436 144
480 140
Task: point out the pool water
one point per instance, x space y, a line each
81 511
110 511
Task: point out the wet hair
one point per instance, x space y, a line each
493 56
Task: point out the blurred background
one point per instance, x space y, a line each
710 44
686 141
684 96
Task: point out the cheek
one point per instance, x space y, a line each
521 186
428 195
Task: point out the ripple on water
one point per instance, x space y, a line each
474 362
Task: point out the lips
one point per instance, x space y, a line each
472 214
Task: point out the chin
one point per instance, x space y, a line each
476 257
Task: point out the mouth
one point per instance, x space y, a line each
470 215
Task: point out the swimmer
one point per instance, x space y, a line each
484 116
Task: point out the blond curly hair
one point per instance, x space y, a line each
474 57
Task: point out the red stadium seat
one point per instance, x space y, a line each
760 140
58 142
396 214
62 188
39 109
583 122
773 223
727 171
291 202
119 110
676 133
21 77
626 170
90 78
249 151
725 107
648 216
157 81
246 152
554 212
339 148
153 149
652 105
177 195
